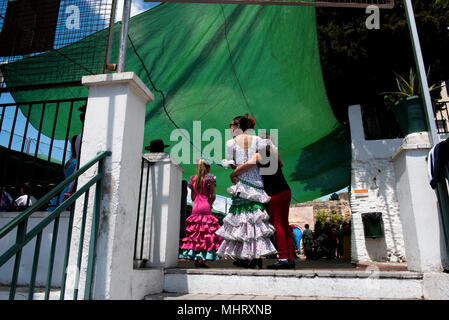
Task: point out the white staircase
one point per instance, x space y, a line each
367 284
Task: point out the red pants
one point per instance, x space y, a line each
278 209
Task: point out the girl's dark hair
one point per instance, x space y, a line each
243 122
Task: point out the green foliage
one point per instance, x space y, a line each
444 3
334 197
407 88
328 217
357 63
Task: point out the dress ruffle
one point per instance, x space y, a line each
246 232
196 255
245 191
246 250
249 217
200 235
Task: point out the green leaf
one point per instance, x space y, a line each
403 86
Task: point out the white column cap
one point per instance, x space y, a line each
119 78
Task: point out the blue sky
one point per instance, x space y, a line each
138 6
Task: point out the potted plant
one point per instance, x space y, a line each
407 104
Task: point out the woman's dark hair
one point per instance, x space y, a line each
243 122
73 145
26 187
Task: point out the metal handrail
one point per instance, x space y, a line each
23 237
56 190
27 159
40 102
143 196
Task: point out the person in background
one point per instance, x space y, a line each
69 168
321 240
340 240
26 199
332 241
297 234
6 201
79 137
307 242
201 243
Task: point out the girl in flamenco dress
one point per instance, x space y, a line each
201 243
246 229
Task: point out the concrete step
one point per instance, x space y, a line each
309 283
22 293
202 296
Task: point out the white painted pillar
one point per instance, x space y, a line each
373 189
163 209
422 228
115 120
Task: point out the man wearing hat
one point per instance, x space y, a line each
156 146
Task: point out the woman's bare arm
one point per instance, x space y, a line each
245 166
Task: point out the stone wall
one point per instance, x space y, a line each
373 189
341 206
300 216
302 213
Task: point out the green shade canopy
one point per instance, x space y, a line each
214 62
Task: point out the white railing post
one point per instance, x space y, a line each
163 209
418 205
115 121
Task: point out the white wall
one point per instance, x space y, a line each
161 243
372 169
26 263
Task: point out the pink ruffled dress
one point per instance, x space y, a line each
201 240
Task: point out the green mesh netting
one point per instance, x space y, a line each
214 62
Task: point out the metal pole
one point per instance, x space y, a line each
421 72
124 36
107 66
